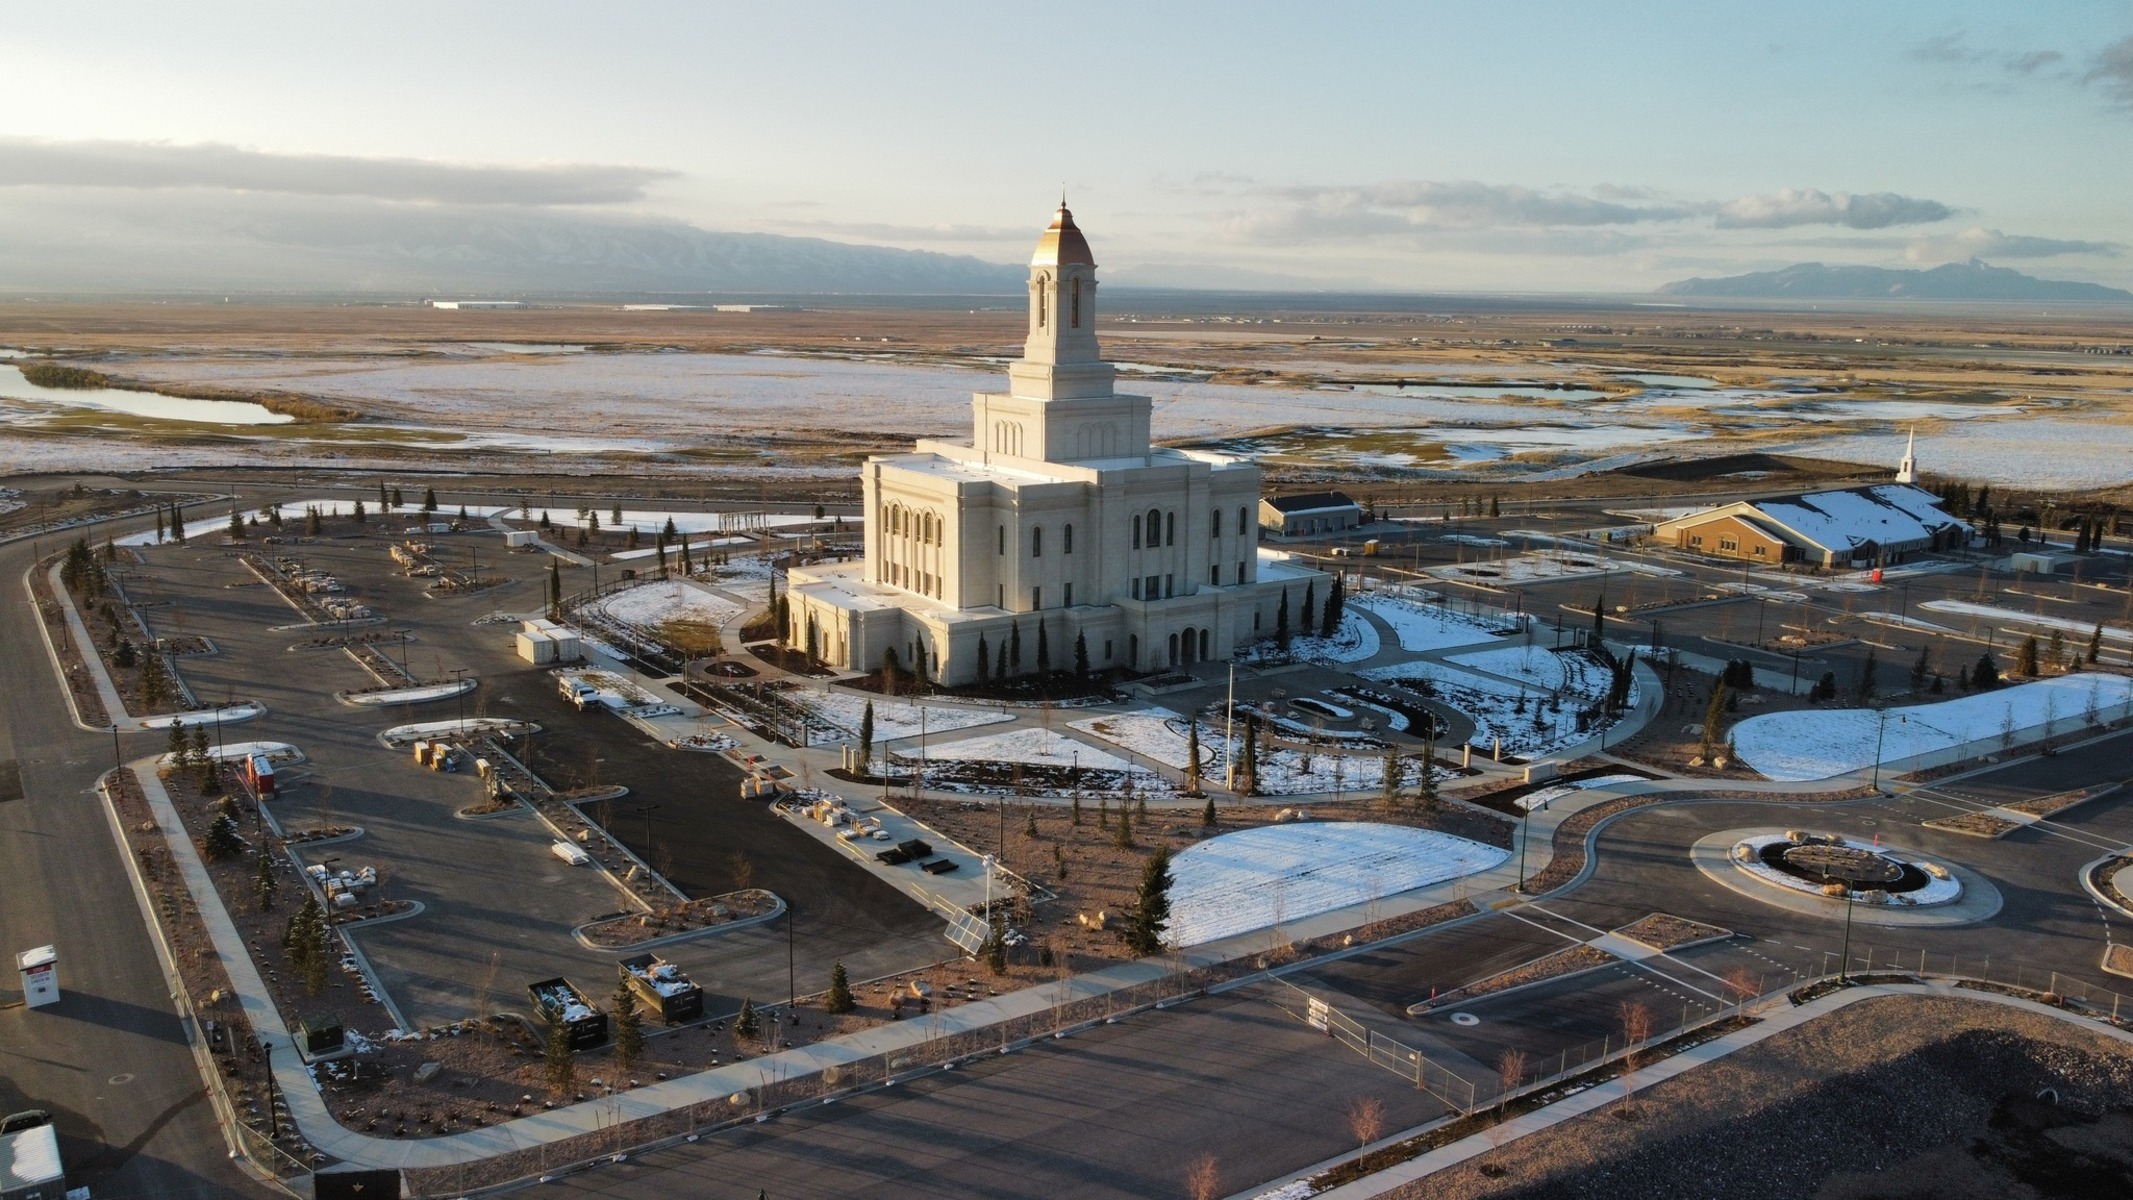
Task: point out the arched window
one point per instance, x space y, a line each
1036 541
1077 303
1003 539
1043 289
1170 528
1067 540
1214 525
1155 528
1243 520
1136 531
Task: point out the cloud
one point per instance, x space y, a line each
1955 50
2114 71
26 162
1788 207
1947 48
1407 207
1979 242
943 233
2030 62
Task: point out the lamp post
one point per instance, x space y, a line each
266 1054
118 761
458 675
1525 828
1844 967
1880 734
1229 737
646 811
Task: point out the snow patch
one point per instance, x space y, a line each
1257 878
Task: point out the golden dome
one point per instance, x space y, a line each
1062 244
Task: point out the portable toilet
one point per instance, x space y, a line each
259 773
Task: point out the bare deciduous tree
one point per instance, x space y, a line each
1742 983
743 869
1366 1120
1636 1027
1510 1073
1202 1180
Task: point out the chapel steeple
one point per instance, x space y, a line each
1062 296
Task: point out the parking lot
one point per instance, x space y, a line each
490 889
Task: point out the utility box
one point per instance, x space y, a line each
522 537
537 648
29 1165
40 976
320 1036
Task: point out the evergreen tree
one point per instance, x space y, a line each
1076 802
1921 668
687 567
155 684
999 665
177 522
2026 658
1207 814
671 531
1081 654
614 516
1310 607
1495 506
995 948
1599 620
399 498
1192 757
545 522
555 588
1103 811
1281 622
1151 905
429 499
745 1023
1248 776
1389 786
384 498
1869 672
866 738
984 661
222 841
839 998
1044 649
2055 651
556 1059
1122 835
1713 716
160 528
629 1027
1336 602
1426 782
1014 648
236 530
313 525
2095 643
265 883
1986 674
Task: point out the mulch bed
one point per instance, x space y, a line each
618 933
1663 932
1567 961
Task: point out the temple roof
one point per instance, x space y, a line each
1062 243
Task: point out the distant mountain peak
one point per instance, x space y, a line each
1971 280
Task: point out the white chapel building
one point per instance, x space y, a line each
1059 521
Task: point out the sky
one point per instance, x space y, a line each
1527 147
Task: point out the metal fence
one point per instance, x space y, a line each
1393 1055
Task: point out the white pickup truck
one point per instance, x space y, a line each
578 692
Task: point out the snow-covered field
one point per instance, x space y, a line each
1257 878
2061 451
1537 667
1820 743
1426 626
293 511
1902 621
648 522
1160 735
1538 801
422 729
1518 713
1037 747
1936 891
650 605
1537 568
893 719
1989 612
1355 641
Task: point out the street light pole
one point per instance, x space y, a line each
1844 967
1881 733
118 761
1525 831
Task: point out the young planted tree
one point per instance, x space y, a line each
222 841
1985 675
629 1027
557 1062
1207 814
1248 772
1081 655
1389 786
1151 905
1203 1179
1510 1075
1336 603
236 529
745 1023
266 882
1014 648
1922 668
1192 757
1714 716
1281 622
1366 1120
1044 649
2055 652
2095 644
358 514
1122 836
1869 672
866 739
313 523
984 662
1310 607
429 499
839 997
2026 658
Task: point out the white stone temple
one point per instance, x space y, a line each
1059 521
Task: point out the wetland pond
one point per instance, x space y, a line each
140 404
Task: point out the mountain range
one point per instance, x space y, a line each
1972 280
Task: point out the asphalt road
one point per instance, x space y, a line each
110 1060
